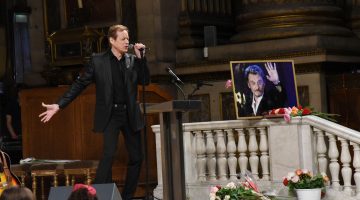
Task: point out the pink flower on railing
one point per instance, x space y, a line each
228 84
288 113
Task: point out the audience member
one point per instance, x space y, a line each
17 193
83 192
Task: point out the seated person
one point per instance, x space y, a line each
83 192
17 193
13 119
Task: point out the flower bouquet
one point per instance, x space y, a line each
304 183
244 190
287 113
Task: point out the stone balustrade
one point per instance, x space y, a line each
217 152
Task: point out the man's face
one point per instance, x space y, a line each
256 84
121 43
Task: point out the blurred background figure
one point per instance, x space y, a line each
17 193
12 131
83 192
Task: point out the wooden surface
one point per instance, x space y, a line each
69 133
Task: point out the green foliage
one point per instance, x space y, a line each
307 182
238 193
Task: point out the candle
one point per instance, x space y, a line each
80 4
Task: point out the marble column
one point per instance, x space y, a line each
354 16
275 19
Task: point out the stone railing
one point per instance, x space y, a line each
217 152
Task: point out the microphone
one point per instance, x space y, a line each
131 46
174 75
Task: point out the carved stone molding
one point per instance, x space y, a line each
289 19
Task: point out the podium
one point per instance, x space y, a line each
172 151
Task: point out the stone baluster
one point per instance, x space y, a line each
321 150
231 150
253 149
334 165
201 157
210 151
345 159
264 158
221 154
356 165
242 149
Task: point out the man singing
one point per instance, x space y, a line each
116 75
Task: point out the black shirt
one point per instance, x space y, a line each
118 68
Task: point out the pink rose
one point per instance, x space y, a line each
295 179
214 189
287 117
228 84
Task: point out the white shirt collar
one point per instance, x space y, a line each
255 105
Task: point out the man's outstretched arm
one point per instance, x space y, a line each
51 110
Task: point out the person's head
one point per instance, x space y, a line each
118 36
17 193
83 192
255 78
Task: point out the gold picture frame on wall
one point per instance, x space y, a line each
227 106
262 85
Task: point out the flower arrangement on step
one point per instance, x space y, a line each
304 179
244 190
306 186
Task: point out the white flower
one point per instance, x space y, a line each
295 179
227 197
290 175
231 185
305 171
323 174
212 196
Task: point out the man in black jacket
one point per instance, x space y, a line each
260 101
116 75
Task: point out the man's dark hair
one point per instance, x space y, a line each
254 69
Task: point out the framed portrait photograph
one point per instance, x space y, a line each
260 86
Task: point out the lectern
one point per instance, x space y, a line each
172 151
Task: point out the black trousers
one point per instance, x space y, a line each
119 122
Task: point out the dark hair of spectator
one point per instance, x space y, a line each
17 193
82 194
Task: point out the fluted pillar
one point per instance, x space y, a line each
354 18
274 19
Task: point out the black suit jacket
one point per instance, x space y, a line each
271 99
99 71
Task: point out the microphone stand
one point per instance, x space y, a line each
178 86
145 129
198 85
